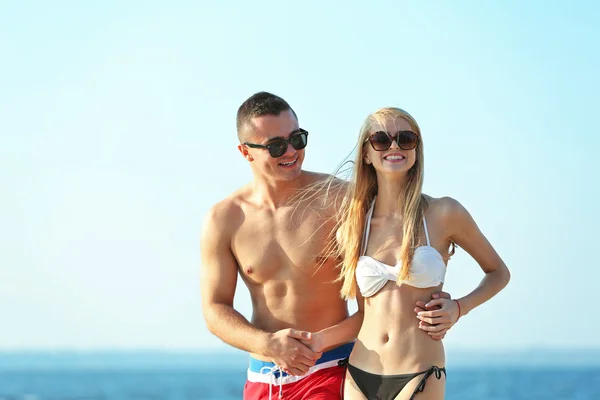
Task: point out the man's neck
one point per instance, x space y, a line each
273 194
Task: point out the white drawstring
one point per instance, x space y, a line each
271 374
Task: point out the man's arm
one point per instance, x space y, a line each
218 281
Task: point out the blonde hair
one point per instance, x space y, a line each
360 194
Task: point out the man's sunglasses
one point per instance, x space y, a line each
381 140
278 147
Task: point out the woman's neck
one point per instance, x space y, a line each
389 190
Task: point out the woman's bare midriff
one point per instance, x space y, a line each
390 341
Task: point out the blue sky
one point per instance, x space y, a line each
117 134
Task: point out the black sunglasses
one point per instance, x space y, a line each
278 147
381 140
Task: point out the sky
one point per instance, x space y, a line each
117 135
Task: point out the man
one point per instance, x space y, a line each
300 331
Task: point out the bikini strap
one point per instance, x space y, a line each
426 232
367 229
431 371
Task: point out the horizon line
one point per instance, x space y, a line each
227 349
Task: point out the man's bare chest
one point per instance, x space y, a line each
283 246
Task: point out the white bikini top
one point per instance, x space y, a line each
427 268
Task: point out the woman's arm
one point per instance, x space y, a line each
462 230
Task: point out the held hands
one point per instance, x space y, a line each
438 315
316 342
296 351
288 350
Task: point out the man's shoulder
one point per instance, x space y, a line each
320 177
226 212
323 191
325 183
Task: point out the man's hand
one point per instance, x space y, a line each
289 353
438 315
440 333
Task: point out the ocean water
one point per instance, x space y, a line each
221 377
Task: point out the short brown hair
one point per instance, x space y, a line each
257 105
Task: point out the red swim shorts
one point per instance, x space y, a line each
323 381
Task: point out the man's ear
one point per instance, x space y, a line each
244 150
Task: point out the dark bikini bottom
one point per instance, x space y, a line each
387 387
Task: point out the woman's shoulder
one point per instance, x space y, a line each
443 208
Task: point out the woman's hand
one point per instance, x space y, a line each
316 342
437 322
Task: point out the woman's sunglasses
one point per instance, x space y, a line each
381 140
278 147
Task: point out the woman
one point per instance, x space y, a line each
395 243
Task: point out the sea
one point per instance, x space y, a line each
166 375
